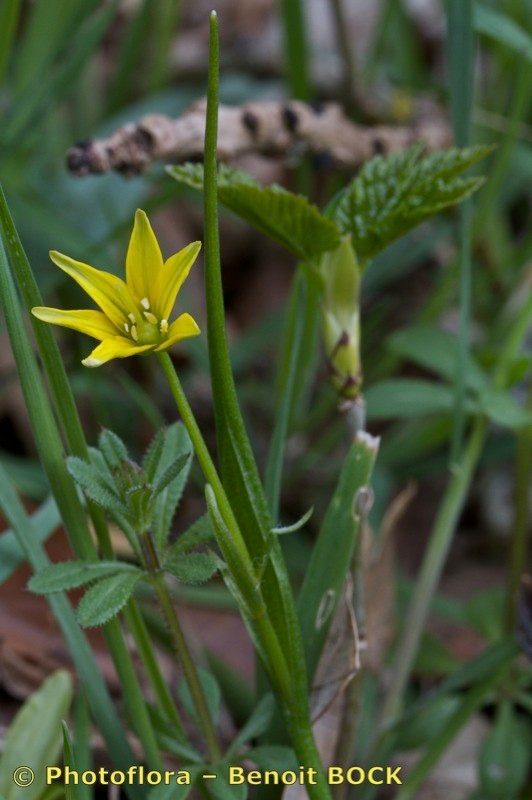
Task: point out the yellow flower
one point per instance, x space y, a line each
134 316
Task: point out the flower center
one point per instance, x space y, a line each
144 327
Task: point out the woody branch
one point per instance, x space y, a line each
271 128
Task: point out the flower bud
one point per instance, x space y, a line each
340 274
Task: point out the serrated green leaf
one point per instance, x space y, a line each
71 574
404 398
94 485
198 533
212 695
257 723
153 454
287 218
392 195
171 473
176 443
34 737
436 350
192 568
113 448
106 598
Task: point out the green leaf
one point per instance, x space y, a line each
404 398
502 408
94 486
71 574
257 723
43 522
34 737
491 23
73 791
198 533
333 551
153 454
436 350
273 756
106 598
176 444
429 721
287 218
171 473
113 448
173 791
296 526
192 568
505 756
212 695
392 195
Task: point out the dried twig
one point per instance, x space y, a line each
271 128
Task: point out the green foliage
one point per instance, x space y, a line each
200 532
296 526
212 695
43 522
192 568
71 574
34 737
505 756
392 195
106 598
333 552
137 498
286 217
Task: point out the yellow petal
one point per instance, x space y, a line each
107 290
114 347
181 328
93 323
172 277
144 261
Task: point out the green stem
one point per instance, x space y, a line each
520 532
234 550
461 43
443 530
433 562
139 631
179 642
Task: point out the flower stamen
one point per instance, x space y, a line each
150 317
134 333
145 303
126 327
132 318
164 326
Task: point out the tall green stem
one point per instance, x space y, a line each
139 631
461 49
296 712
152 564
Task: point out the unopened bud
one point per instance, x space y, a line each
340 275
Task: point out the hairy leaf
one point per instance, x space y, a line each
94 485
288 218
71 574
153 454
106 598
392 195
176 443
198 533
113 448
192 568
171 473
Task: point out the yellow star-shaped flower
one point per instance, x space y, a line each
134 316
